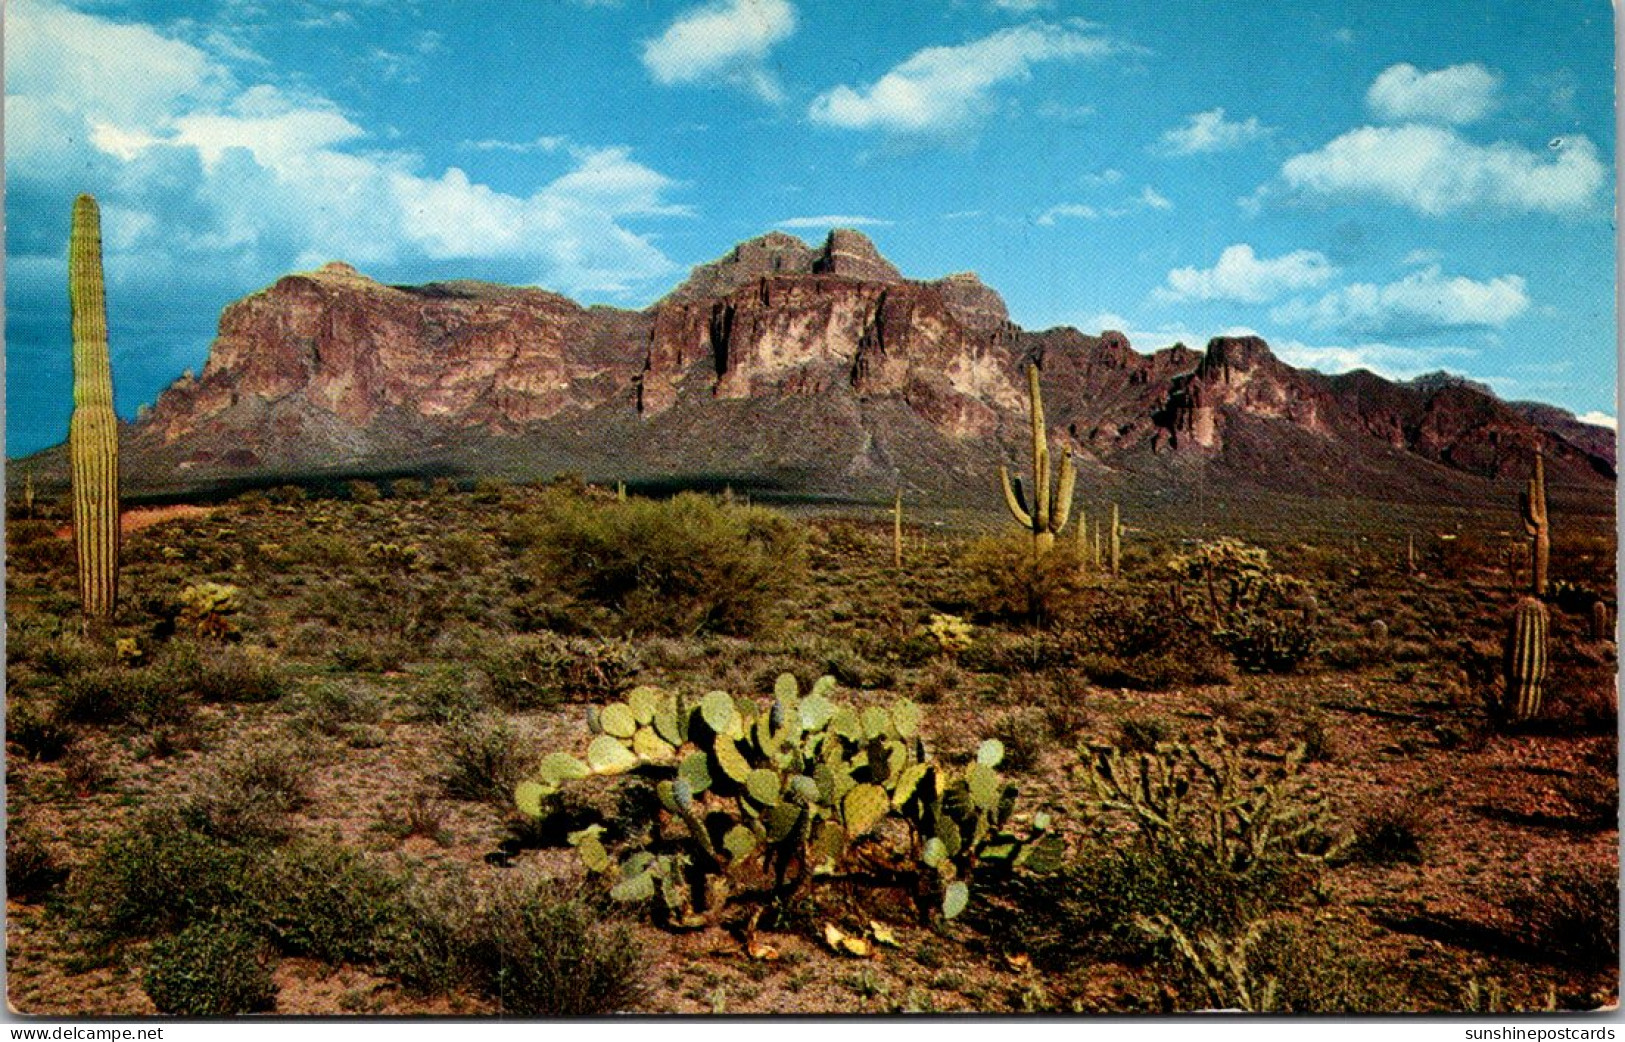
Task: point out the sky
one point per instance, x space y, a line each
1403 187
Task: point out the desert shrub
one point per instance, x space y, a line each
538 949
325 550
156 877
37 733
541 670
1391 832
462 552
684 566
211 969
32 546
1570 914
448 694
325 901
116 694
31 871
220 673
407 488
484 760
252 795
1137 642
1024 734
1142 734
1267 620
1004 582
363 492
336 709
1310 970
68 654
375 653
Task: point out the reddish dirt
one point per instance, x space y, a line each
145 517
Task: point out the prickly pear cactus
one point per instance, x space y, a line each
764 801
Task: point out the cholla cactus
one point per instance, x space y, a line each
208 609
952 633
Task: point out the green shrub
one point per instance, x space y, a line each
225 673
1003 582
211 969
541 670
484 760
39 734
684 566
157 877
538 949
252 795
31 871
326 902
145 696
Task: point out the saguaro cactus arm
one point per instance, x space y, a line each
1537 523
1014 499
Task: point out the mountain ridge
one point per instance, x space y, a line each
914 383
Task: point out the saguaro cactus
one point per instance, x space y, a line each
1117 543
1526 659
93 430
1532 504
1047 515
897 529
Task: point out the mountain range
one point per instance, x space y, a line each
812 371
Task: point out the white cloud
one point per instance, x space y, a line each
1243 276
1422 301
1599 419
1022 6
725 41
1435 171
544 143
832 221
1148 199
1080 211
1210 132
1459 94
261 178
943 89
1152 199
1393 362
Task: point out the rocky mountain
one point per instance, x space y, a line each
819 371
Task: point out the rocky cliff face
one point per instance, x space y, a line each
912 382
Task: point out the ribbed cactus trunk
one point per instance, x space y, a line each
93 430
1526 659
1117 543
897 529
1046 516
1537 524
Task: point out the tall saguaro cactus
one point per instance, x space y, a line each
1532 504
1047 515
93 430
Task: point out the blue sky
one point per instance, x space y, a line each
1404 187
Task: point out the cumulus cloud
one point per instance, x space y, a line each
1241 275
833 221
1459 94
1599 419
1210 132
1422 301
727 41
944 89
1389 360
261 178
1435 171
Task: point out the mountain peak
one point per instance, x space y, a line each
850 253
